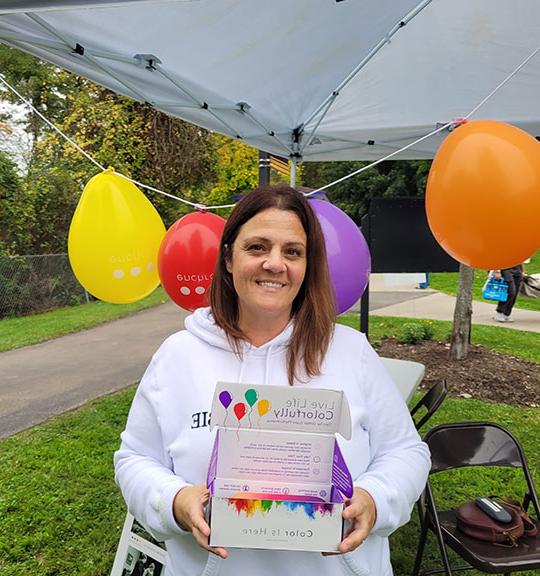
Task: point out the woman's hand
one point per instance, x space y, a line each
362 513
188 510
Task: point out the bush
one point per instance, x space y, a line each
414 332
429 330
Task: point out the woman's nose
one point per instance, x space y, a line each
274 262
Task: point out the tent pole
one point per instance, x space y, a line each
329 100
294 160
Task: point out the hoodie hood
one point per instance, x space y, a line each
202 325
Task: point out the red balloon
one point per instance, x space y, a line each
187 258
240 410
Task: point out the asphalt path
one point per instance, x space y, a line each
46 379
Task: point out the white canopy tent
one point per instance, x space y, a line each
310 79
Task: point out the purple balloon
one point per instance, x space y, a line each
225 398
348 255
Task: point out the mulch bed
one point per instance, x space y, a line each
485 375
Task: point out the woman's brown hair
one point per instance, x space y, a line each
314 307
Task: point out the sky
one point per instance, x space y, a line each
14 140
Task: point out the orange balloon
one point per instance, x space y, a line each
483 195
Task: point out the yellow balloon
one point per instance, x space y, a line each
263 406
114 240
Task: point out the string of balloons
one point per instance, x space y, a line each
119 249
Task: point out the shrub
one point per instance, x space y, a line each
429 331
414 332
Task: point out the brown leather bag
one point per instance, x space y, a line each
471 520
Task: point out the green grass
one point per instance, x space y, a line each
447 282
61 513
516 343
26 330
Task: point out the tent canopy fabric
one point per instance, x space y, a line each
312 79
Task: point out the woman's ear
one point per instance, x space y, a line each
227 254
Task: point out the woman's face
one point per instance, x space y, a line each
268 265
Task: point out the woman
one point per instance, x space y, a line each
513 277
271 321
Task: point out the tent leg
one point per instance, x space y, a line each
292 174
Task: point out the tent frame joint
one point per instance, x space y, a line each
243 106
148 61
79 49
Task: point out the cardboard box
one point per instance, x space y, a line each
277 477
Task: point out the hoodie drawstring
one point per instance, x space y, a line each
241 371
267 364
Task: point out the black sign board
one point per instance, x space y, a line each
400 240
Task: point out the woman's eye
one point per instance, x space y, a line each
294 252
255 248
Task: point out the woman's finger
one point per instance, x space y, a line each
199 523
202 541
354 539
353 510
188 507
362 513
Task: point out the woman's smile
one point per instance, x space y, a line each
270 284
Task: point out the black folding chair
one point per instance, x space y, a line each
430 401
475 444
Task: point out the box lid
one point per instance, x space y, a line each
286 408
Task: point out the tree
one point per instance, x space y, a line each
461 326
135 139
388 179
15 211
44 85
236 171
181 158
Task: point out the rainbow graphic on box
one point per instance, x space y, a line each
261 504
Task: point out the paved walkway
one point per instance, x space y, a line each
46 379
409 302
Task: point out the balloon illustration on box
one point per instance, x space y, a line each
187 258
240 410
482 195
251 397
114 239
349 261
263 406
225 398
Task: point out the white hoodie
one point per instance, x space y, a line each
166 445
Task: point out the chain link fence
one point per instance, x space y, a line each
30 284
